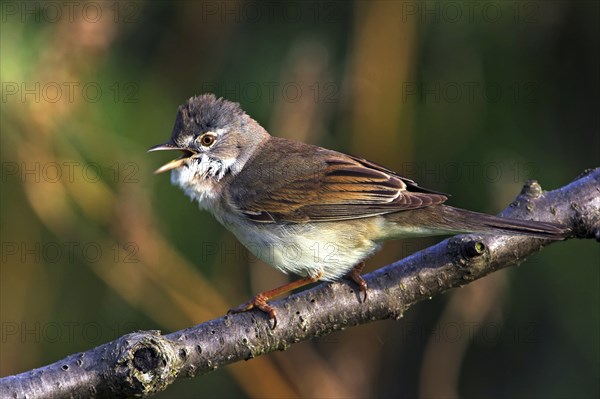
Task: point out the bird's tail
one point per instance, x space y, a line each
444 219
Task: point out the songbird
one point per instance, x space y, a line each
305 209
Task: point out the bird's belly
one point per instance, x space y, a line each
308 249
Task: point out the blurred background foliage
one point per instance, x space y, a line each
467 98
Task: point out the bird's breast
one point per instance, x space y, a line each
330 248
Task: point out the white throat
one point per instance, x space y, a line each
199 179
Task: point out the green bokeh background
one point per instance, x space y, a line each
472 99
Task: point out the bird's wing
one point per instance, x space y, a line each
296 183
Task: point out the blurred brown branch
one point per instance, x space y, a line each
144 363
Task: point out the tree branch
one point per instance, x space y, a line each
146 362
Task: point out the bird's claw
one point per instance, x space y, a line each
260 302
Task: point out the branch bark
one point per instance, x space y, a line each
146 362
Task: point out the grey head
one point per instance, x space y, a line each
215 136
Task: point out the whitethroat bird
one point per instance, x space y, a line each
305 209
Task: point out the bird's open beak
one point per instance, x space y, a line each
174 163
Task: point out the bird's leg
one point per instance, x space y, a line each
260 300
354 274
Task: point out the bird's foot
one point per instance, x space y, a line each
355 276
259 302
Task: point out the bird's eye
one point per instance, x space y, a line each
207 139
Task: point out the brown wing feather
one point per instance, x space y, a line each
308 183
